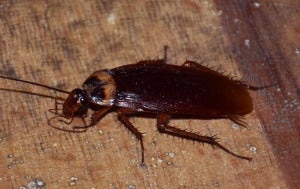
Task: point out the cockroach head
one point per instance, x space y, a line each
100 88
76 105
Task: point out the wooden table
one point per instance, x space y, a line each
59 43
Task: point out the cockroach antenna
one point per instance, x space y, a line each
33 83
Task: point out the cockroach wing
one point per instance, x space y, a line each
179 90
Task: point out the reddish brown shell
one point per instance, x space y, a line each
155 87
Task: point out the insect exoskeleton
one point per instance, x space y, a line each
156 89
100 88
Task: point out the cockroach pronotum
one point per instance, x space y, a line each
155 89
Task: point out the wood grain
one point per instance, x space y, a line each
60 43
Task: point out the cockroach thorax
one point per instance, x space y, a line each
100 88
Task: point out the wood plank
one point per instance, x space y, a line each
60 43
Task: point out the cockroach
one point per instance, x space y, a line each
156 89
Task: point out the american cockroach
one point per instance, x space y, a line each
156 89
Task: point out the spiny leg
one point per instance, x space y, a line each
122 114
240 120
162 125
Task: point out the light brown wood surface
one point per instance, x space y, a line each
59 43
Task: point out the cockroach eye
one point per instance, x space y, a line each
79 96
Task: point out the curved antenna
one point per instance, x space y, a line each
36 84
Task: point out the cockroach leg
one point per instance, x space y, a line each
60 120
256 88
96 117
68 121
163 127
81 128
122 115
240 120
55 110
